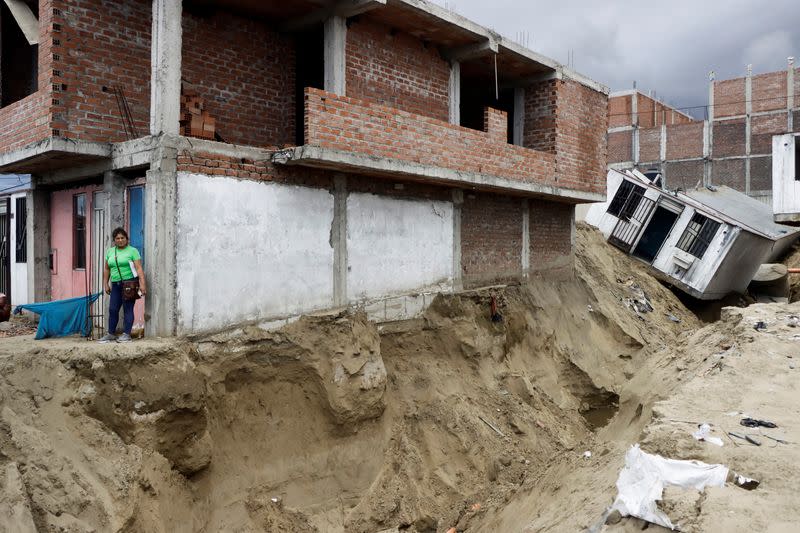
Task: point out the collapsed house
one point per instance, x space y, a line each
275 158
707 241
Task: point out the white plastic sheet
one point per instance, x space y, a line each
641 483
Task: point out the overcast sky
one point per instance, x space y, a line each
666 46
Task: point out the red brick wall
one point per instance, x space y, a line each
344 123
491 238
769 91
581 125
762 129
396 70
245 72
650 144
540 116
729 98
619 146
551 237
28 120
761 174
729 172
683 174
685 140
619 111
644 111
495 124
729 138
102 43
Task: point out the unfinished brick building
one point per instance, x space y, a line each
732 147
274 158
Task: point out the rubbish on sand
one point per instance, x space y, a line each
587 454
491 426
760 325
673 318
748 438
641 483
744 482
753 423
703 433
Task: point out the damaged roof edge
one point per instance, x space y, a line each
450 17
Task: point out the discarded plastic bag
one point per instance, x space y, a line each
641 483
704 433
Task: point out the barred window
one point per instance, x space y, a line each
626 200
21 219
698 235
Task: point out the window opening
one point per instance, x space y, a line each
21 220
698 235
309 72
478 93
626 200
79 231
19 51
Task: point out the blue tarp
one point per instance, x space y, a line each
62 317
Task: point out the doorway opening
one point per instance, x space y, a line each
655 234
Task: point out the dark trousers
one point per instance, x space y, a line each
113 309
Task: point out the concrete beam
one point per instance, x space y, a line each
335 55
458 203
38 236
343 8
26 20
471 51
518 124
532 80
339 240
165 80
454 93
160 243
53 144
526 237
318 157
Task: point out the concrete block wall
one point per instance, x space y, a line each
245 73
396 70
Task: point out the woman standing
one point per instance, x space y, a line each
123 265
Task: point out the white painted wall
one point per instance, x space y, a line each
250 250
785 186
19 271
396 245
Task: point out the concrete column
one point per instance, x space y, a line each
339 240
335 48
748 112
708 137
635 130
161 202
38 235
458 203
519 115
114 187
790 95
526 237
165 81
454 90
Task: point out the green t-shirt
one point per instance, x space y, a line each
124 256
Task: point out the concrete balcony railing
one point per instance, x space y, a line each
359 136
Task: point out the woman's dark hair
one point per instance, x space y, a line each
119 231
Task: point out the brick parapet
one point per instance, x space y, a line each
353 125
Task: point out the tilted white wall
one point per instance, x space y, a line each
597 215
19 271
396 245
250 250
785 185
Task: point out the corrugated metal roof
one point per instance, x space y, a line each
749 212
12 183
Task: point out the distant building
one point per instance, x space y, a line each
729 144
707 241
